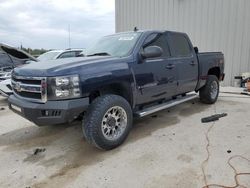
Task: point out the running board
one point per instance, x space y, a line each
174 102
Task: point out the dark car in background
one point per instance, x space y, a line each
11 57
8 62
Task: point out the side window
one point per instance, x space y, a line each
67 55
179 45
77 53
160 40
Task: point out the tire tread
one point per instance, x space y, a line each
205 91
94 116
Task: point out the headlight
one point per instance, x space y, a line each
63 87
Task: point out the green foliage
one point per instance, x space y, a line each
35 52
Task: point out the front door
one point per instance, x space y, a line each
156 77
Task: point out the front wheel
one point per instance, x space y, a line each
108 122
210 92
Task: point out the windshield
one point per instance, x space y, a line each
48 56
115 45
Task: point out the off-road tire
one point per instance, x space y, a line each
205 92
92 122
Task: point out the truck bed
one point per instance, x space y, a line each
208 60
210 54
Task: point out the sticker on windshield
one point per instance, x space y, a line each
126 38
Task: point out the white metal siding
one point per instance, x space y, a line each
213 25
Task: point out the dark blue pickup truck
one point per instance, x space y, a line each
122 76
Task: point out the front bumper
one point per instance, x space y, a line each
49 113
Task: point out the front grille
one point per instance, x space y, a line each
28 94
30 88
28 81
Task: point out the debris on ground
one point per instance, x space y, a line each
237 93
215 117
2 108
154 116
39 150
13 172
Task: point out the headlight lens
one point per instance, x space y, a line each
63 81
63 87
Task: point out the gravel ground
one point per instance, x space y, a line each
169 149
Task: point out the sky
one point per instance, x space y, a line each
45 23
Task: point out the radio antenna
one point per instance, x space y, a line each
69 36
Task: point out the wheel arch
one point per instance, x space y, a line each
122 89
214 71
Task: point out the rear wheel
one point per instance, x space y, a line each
209 93
107 122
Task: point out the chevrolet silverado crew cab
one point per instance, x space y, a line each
122 76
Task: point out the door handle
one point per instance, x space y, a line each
170 66
193 63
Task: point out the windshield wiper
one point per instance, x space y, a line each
100 54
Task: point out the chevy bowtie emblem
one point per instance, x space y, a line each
18 86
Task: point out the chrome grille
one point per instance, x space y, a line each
30 88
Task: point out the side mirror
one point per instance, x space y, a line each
196 49
151 52
80 55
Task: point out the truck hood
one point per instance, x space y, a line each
17 53
67 66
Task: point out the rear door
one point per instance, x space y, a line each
156 77
185 62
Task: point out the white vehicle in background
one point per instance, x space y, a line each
59 54
4 76
5 88
5 81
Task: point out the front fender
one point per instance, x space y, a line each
104 76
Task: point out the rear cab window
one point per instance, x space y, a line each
179 45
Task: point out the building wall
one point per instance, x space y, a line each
213 25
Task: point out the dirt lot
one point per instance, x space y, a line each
170 149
